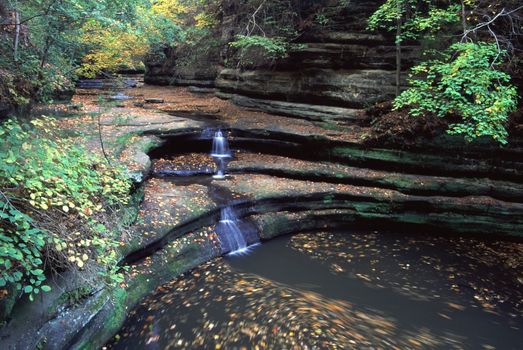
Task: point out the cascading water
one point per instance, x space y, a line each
232 238
233 234
220 153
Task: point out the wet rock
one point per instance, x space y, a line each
154 100
179 257
119 97
130 83
90 83
201 90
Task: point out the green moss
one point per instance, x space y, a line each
274 225
146 144
366 208
71 298
110 319
398 157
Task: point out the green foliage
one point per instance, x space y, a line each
321 19
73 297
418 18
386 15
272 48
124 42
58 37
431 22
54 196
20 251
466 82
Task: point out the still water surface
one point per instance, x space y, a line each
341 290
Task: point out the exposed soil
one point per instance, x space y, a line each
398 128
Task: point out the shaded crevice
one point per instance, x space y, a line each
508 167
493 192
374 214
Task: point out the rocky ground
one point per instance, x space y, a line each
289 175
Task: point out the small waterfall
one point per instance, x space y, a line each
220 146
220 153
232 238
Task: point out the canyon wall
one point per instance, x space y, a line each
340 66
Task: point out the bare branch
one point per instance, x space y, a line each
487 24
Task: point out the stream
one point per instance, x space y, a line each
337 290
361 284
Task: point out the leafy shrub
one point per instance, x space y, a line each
419 19
55 199
465 83
272 48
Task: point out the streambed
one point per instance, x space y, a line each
348 289
286 176
323 289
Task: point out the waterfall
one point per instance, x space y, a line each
220 153
231 237
220 146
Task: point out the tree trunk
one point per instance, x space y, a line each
43 59
463 17
398 49
17 35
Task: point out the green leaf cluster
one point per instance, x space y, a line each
20 251
53 197
417 18
272 48
466 83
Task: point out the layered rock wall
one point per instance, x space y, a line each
339 64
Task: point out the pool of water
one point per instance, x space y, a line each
341 290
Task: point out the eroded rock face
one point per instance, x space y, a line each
340 65
169 70
294 109
296 176
340 88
